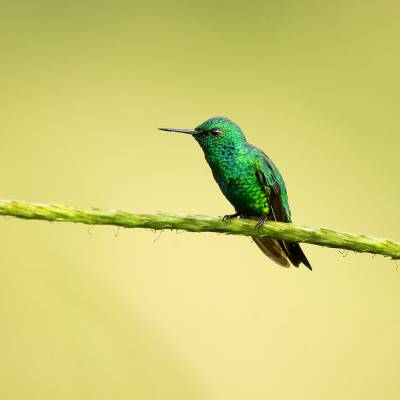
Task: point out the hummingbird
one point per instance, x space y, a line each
250 181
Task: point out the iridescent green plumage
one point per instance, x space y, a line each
249 180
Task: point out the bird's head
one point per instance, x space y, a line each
216 132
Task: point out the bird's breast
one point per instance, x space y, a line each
238 182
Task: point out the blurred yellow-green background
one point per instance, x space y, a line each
102 313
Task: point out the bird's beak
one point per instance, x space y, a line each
189 131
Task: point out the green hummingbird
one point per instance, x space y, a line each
250 181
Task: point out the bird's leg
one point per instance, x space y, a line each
228 217
261 222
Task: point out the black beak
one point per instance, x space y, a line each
189 131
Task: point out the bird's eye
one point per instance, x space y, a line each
215 132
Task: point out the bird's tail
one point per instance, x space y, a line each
282 252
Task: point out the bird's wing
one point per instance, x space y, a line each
273 184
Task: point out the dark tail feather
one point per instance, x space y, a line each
295 254
280 251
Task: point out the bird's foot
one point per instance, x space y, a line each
228 217
261 222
